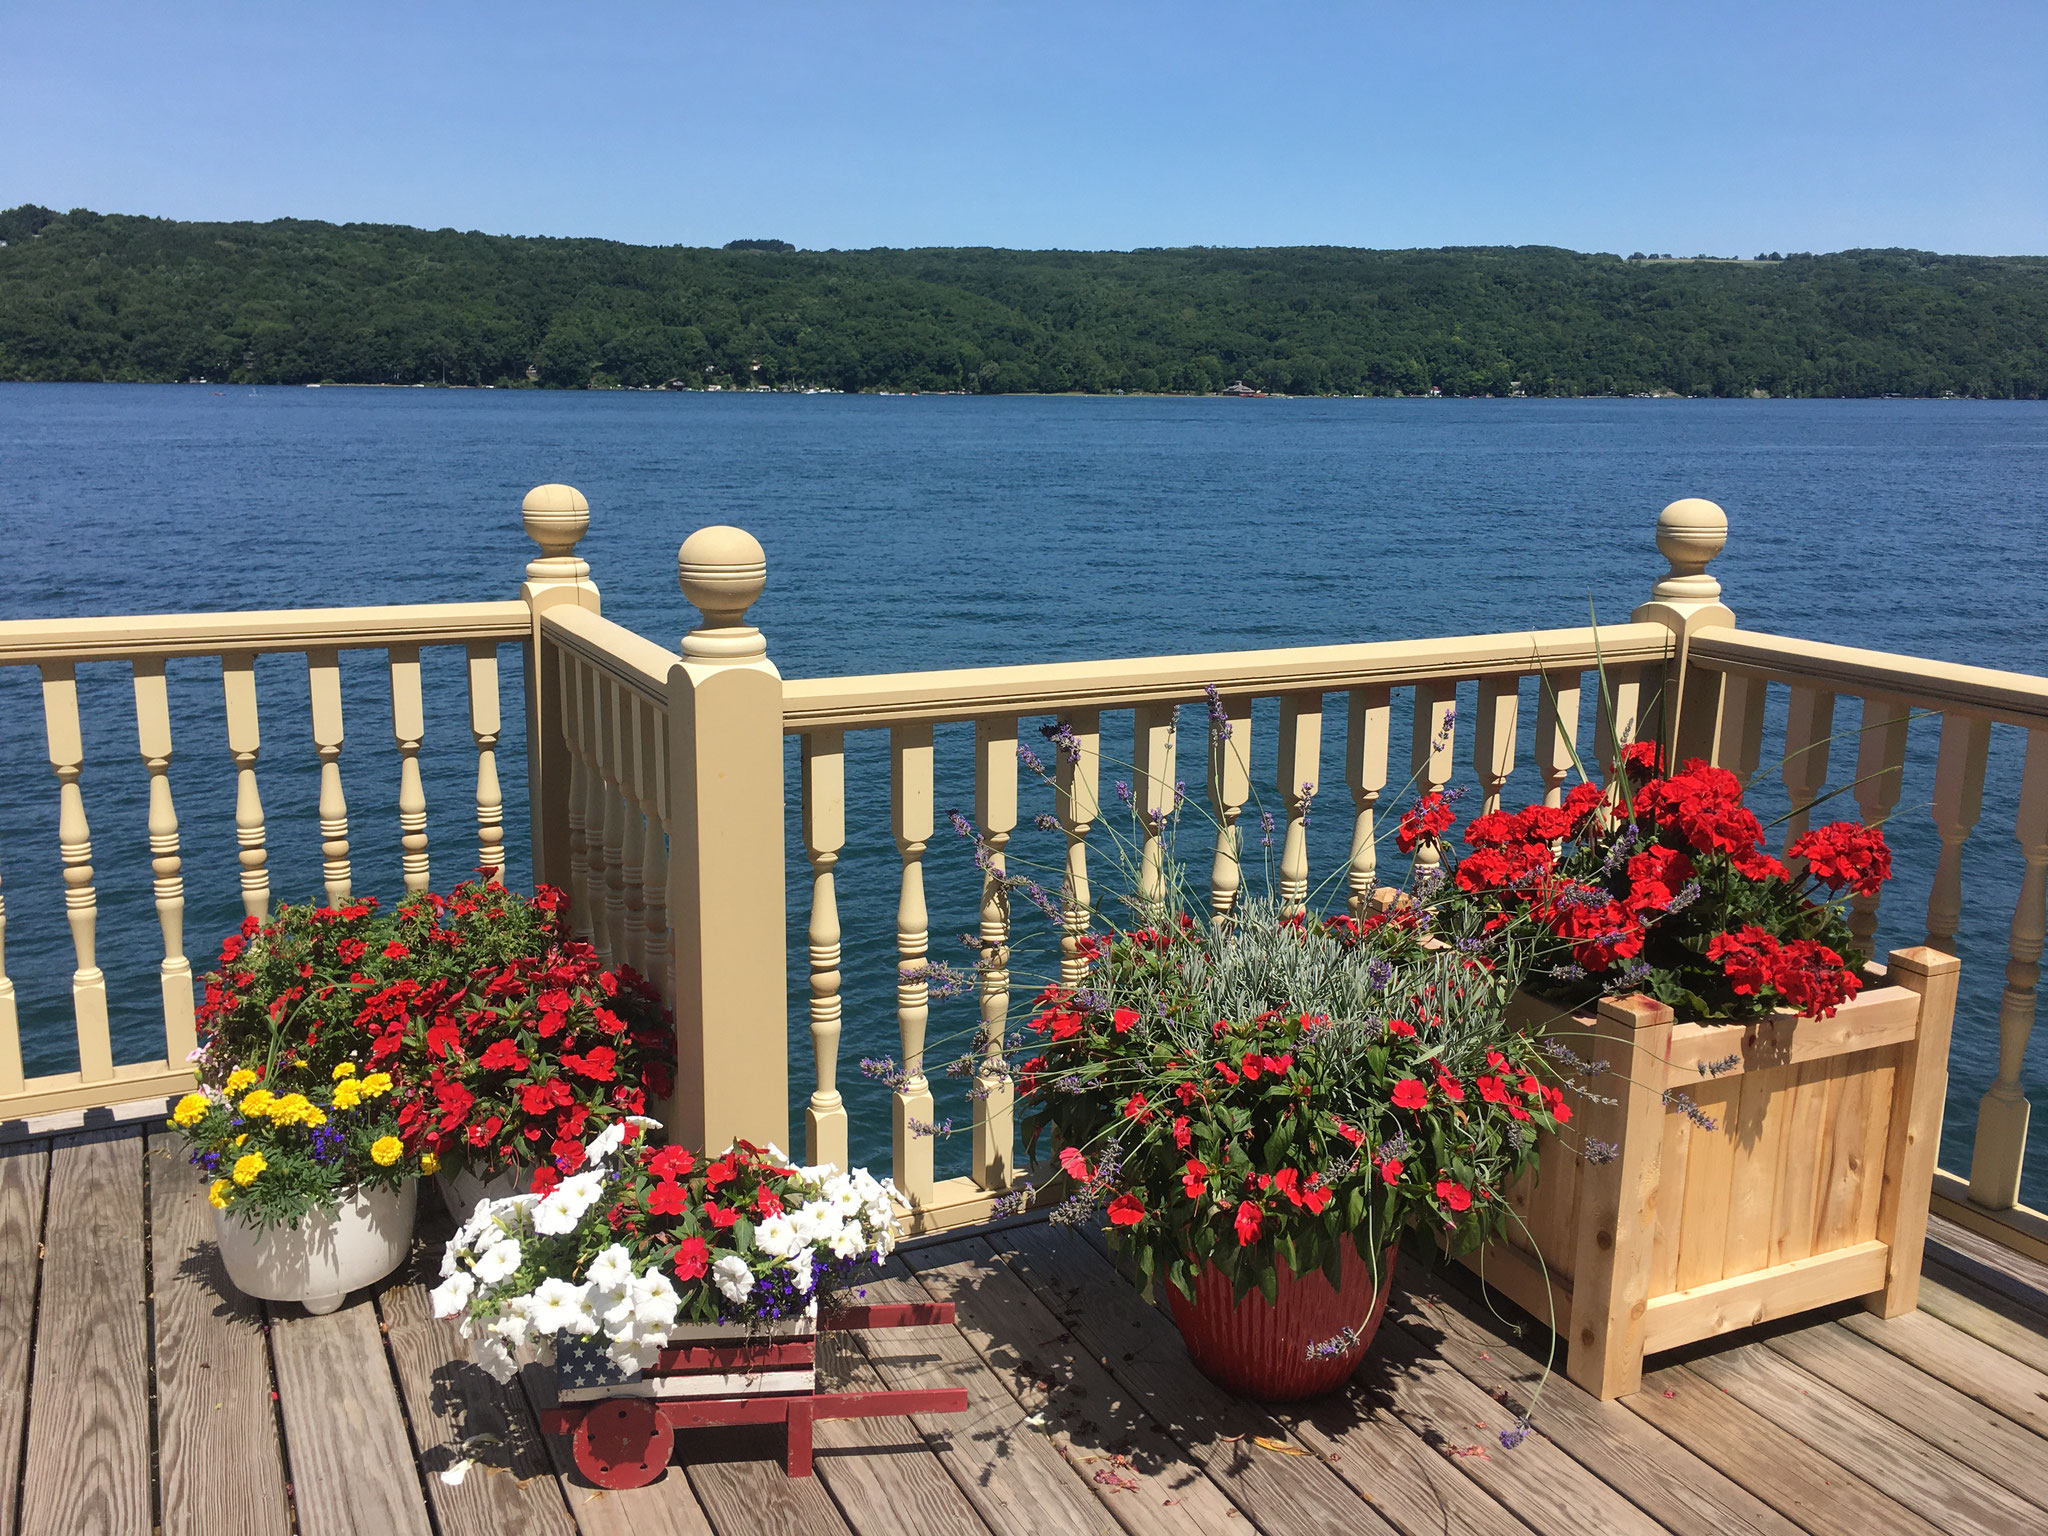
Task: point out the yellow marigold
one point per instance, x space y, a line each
191 1109
429 1164
217 1196
348 1093
314 1116
386 1150
258 1103
247 1167
241 1138
346 1069
239 1079
376 1083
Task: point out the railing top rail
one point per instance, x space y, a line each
30 642
613 649
904 697
2014 697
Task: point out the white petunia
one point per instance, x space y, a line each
777 1237
558 1305
800 1272
497 1262
849 1242
452 1294
733 1278
512 1328
606 1142
655 1307
612 1268
494 1357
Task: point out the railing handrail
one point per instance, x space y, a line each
895 698
122 637
2014 698
614 650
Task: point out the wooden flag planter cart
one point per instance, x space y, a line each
1808 1185
712 1375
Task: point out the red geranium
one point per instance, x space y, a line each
1846 855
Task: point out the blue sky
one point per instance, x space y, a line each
1718 128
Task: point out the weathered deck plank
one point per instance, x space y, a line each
1779 1468
2025 1280
665 1508
1936 1485
1979 1437
1131 1463
1011 1474
1999 1321
88 1465
881 1473
220 1468
1144 1353
353 1472
738 1478
24 1175
1648 1468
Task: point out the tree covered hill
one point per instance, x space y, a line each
85 296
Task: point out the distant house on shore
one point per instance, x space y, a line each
1243 391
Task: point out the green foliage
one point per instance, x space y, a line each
88 297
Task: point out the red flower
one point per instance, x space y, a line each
597 1063
1316 1198
1747 958
671 1162
1391 1170
502 1056
455 1102
666 1198
1454 1194
1247 1222
539 1098
1181 1134
1135 1109
1123 1019
1491 1089
1187 1093
1126 1211
721 1218
1409 1093
1452 1088
348 951
1402 1028
1228 1072
1812 978
1065 1025
767 1202
569 1155
1428 819
395 951
693 1258
1846 855
1351 1134
545 1178
1194 1178
1642 760
483 1135
1075 1164
720 1172
1760 866
1655 876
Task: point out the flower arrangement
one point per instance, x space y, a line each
522 1044
1661 885
641 1238
1282 1089
300 1099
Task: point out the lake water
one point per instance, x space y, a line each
928 532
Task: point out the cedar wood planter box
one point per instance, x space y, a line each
1811 1189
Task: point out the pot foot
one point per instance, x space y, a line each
320 1306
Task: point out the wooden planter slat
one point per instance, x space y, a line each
1812 1187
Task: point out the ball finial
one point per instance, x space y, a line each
556 516
1689 534
722 570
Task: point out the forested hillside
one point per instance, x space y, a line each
91 296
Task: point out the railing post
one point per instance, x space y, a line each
1689 534
556 516
726 898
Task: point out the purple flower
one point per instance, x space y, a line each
1061 735
1045 821
1598 1151
1123 791
1265 829
1378 973
1515 1434
961 824
1219 717
1029 758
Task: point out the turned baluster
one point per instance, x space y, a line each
238 686
409 727
604 745
995 811
1230 785
153 734
1295 777
1809 722
485 723
74 847
1365 771
824 828
625 753
555 517
323 685
910 812
584 685
11 1079
1493 737
1154 732
654 877
1880 765
1739 734
1432 744
1075 786
1557 731
578 798
1958 802
2002 1113
1619 707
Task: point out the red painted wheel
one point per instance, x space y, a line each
624 1442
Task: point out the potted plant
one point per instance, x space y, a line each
531 1046
296 1122
1761 1111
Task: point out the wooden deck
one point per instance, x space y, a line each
140 1393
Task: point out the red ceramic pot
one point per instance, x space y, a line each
1257 1349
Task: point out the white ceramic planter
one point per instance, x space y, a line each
461 1189
327 1255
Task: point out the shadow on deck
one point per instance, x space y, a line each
141 1392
